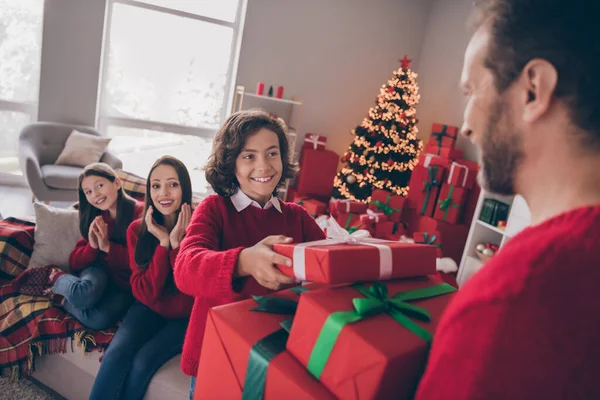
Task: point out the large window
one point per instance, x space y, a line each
20 57
167 76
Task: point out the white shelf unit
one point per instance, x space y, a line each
290 110
519 218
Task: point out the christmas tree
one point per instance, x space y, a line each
385 147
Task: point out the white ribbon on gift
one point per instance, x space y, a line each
459 166
314 139
347 202
338 235
428 158
373 216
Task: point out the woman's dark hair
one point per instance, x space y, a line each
229 143
563 33
147 242
87 212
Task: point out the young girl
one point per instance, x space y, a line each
227 253
153 329
98 292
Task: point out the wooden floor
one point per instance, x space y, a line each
16 201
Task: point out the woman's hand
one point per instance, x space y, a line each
159 231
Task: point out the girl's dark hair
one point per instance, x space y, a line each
87 212
147 242
229 143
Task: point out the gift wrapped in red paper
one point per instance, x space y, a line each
313 207
370 219
450 203
462 174
314 141
349 221
426 160
443 136
430 238
317 171
342 260
410 216
444 152
361 343
424 187
388 203
348 206
384 229
452 236
232 333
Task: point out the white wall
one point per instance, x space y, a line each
440 67
334 54
71 53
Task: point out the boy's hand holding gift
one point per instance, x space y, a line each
259 261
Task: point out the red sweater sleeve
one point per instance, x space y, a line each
201 268
82 256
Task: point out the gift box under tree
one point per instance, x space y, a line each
314 141
424 187
450 203
444 152
452 236
317 170
337 206
391 205
443 136
430 238
369 341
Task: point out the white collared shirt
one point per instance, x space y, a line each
241 201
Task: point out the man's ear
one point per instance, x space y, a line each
538 82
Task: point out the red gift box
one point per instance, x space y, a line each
427 160
344 263
452 236
314 207
348 206
430 238
372 217
384 229
317 171
349 221
314 141
444 152
410 216
388 203
443 136
462 174
378 355
231 332
424 187
446 142
450 203
445 130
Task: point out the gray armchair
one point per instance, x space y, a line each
39 146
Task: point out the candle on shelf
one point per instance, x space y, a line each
279 92
270 93
260 88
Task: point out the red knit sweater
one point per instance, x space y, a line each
151 285
209 253
116 260
527 325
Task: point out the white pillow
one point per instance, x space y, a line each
82 149
56 234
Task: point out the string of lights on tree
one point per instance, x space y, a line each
385 148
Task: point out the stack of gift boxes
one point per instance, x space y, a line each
360 330
318 166
443 194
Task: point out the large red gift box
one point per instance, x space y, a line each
317 171
463 173
345 263
444 152
424 187
452 236
450 203
314 141
429 238
388 203
375 356
348 206
231 332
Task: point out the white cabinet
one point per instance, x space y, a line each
519 218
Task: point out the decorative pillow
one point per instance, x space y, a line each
82 149
133 185
16 245
56 234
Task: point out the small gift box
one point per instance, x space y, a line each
452 236
317 171
244 356
429 238
384 229
450 204
461 175
349 221
355 257
369 341
372 217
348 206
443 135
391 205
425 184
312 206
314 141
444 152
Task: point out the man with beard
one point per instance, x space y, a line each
527 325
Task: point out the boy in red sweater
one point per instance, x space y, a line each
527 325
153 329
97 291
227 253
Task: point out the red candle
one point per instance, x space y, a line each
260 88
279 94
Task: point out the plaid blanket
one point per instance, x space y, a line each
30 326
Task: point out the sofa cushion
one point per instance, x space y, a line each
61 176
82 149
56 234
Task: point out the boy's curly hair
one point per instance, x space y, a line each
229 142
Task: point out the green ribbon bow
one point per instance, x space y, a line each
447 203
347 227
376 301
429 185
385 207
430 240
264 350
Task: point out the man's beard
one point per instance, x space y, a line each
501 152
